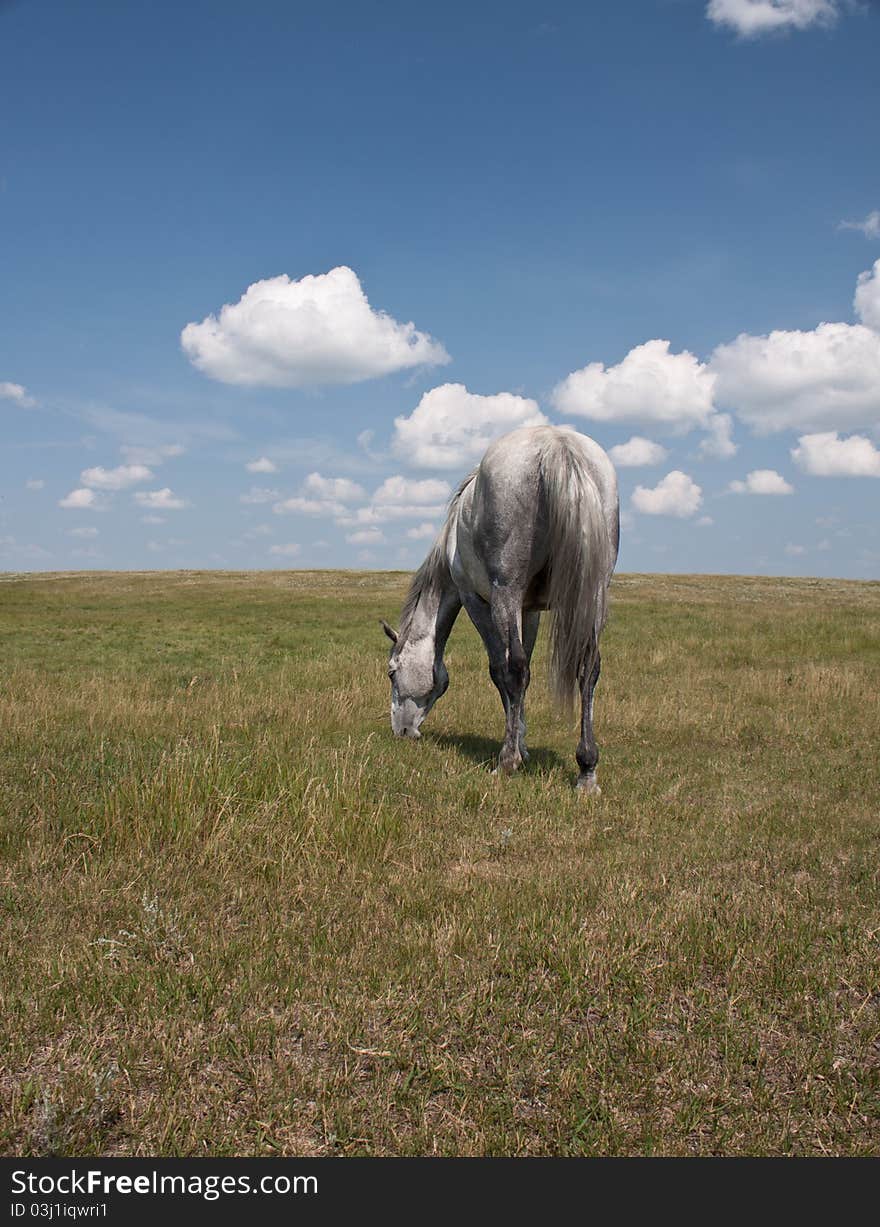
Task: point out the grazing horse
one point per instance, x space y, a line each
534 527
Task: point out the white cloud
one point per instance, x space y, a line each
320 329
651 385
399 498
160 500
827 455
152 519
115 479
795 550
285 551
636 452
762 481
422 532
826 378
83 532
719 438
151 455
338 488
259 494
366 536
867 297
452 427
34 483
17 393
704 522
676 495
870 227
309 506
751 18
263 465
82 500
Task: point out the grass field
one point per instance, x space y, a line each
237 917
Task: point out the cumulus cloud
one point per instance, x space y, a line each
160 500
827 455
795 551
636 452
286 551
83 532
309 506
263 465
719 443
751 18
827 378
651 385
119 478
422 532
322 496
17 393
452 427
338 488
762 481
870 227
34 483
676 495
400 498
867 297
82 500
321 329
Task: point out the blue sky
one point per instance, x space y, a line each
655 221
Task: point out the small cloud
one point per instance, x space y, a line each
82 500
160 500
636 452
870 227
263 465
704 522
285 551
82 532
762 481
827 455
34 483
795 551
752 18
17 393
676 495
339 489
152 519
422 532
719 442
115 479
309 507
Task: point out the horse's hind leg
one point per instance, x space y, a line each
587 751
530 623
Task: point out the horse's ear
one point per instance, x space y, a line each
392 634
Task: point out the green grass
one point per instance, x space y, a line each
237 917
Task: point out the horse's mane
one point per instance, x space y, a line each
435 569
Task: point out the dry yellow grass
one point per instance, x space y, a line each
238 918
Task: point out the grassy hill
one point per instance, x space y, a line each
239 918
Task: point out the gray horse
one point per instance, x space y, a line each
534 527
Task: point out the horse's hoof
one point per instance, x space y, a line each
587 786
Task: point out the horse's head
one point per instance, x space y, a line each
418 680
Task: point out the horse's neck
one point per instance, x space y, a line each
435 614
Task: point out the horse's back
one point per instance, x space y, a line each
501 522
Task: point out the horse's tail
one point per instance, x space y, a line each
582 557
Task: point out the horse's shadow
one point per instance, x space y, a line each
485 751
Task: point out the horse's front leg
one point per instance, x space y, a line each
587 751
481 615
